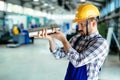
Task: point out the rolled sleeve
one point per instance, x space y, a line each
59 52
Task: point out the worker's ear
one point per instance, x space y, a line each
94 22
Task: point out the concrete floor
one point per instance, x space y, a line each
35 62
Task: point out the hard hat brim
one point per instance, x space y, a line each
77 20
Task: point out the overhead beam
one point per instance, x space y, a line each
95 3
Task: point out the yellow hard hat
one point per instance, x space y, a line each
86 11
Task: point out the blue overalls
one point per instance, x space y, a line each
73 73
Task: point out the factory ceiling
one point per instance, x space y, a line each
57 6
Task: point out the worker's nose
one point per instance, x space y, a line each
79 27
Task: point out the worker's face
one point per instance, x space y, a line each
82 27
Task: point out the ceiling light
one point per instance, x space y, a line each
45 4
36 0
52 7
82 0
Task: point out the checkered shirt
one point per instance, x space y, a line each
90 51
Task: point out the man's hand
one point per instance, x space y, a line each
58 35
43 34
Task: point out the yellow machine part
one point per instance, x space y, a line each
15 30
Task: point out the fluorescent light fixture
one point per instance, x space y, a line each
82 0
35 0
45 4
52 7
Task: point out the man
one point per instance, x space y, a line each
86 51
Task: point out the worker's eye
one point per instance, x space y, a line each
82 24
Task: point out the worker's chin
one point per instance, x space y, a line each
82 33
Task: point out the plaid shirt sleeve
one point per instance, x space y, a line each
96 50
59 52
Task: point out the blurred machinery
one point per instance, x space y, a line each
4 35
19 37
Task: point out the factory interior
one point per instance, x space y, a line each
25 57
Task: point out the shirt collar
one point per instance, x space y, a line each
91 35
